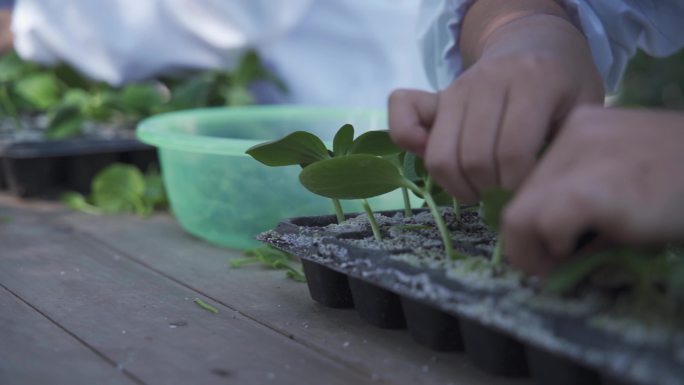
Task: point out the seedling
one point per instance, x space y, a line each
304 149
362 176
68 100
493 202
360 168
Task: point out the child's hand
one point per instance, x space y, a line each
618 173
488 126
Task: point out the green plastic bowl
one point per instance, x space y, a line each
219 193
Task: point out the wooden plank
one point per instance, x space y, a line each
281 304
33 350
142 321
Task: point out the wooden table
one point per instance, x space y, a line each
109 300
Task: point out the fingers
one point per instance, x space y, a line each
556 207
522 134
477 144
442 150
410 114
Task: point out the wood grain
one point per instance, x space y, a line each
145 322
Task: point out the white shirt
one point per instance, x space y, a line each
614 29
328 52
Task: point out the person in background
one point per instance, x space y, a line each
336 53
519 105
5 21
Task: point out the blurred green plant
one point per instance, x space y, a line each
69 99
121 188
653 82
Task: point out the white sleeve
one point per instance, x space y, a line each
616 28
439 26
123 40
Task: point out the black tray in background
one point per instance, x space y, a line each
46 168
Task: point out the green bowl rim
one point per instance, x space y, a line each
152 130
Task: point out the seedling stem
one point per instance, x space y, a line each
497 256
439 221
407 202
371 220
457 208
338 210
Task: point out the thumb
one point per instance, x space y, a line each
411 114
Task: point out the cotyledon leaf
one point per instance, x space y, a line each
299 147
375 143
343 140
357 176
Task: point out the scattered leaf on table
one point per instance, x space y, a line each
120 188
205 306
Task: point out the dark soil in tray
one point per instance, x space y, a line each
504 321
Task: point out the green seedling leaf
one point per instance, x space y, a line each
75 97
12 67
78 202
238 95
141 98
413 168
120 188
299 147
155 193
5 220
571 274
343 140
69 128
71 78
357 176
494 200
205 306
375 143
251 69
41 90
64 122
100 105
193 92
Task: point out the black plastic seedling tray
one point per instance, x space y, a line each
31 169
500 328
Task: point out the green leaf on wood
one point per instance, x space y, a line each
299 147
205 306
120 188
78 202
357 176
